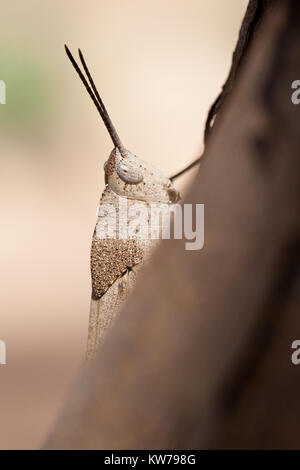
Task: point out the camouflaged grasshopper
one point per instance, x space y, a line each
115 261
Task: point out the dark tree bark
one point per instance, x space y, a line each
255 14
200 355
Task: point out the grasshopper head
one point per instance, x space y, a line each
129 176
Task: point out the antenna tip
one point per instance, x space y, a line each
67 50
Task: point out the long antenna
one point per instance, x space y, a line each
96 98
90 79
187 168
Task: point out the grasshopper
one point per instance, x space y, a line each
115 261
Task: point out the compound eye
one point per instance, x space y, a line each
129 173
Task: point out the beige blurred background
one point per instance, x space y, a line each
158 65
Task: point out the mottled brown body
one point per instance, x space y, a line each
111 260
115 261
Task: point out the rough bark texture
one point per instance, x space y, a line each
200 356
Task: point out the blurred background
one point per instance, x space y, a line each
158 65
